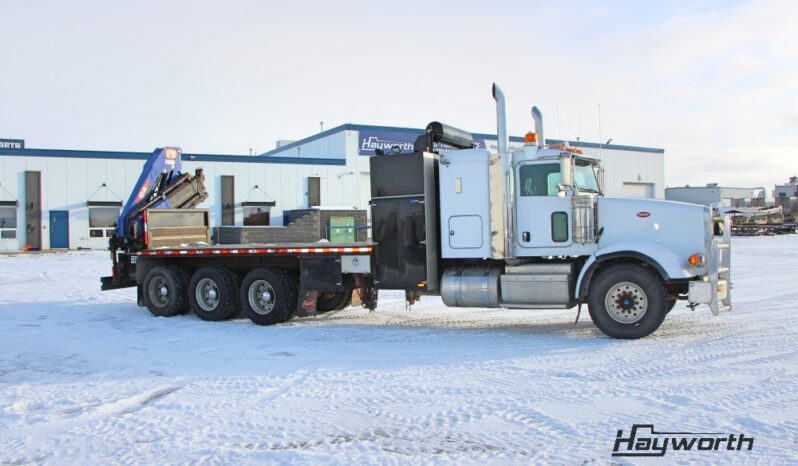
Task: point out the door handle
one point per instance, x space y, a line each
525 236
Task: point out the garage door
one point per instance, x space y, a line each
638 190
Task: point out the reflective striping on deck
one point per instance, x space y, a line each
257 251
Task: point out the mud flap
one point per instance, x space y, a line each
140 295
306 304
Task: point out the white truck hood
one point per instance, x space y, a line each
664 230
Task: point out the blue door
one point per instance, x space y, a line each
59 229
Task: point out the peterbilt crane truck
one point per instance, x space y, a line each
525 229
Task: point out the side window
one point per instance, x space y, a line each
559 227
552 181
580 178
539 179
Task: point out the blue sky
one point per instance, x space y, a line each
715 83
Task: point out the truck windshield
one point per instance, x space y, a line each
585 177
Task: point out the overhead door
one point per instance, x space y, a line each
638 190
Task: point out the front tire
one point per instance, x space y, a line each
268 296
213 294
671 304
164 291
627 301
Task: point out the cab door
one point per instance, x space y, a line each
542 218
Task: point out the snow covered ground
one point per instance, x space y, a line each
87 377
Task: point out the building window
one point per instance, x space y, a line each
256 213
102 221
255 216
8 222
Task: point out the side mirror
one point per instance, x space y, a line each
562 190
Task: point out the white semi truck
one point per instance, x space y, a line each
526 229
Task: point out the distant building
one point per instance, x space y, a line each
714 194
787 190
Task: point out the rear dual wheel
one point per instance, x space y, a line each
269 296
213 294
333 300
164 291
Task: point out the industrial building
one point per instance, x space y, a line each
787 190
54 198
713 194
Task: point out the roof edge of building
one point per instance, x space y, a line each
187 157
357 126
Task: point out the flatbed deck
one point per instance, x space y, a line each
257 249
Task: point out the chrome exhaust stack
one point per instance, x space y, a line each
538 117
507 207
501 121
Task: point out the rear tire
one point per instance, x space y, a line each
268 296
627 301
164 291
213 294
333 300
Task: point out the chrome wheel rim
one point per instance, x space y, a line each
158 291
261 297
207 294
626 303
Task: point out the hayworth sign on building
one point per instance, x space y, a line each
371 140
12 143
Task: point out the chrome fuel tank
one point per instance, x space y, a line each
471 287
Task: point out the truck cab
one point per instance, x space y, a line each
555 201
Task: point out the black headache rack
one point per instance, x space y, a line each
404 212
404 221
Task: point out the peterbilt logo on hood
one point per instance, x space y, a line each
643 214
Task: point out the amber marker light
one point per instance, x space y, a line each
696 260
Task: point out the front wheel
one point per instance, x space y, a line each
671 304
627 301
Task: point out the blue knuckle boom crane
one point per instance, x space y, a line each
161 185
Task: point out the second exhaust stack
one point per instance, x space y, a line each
538 117
505 206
